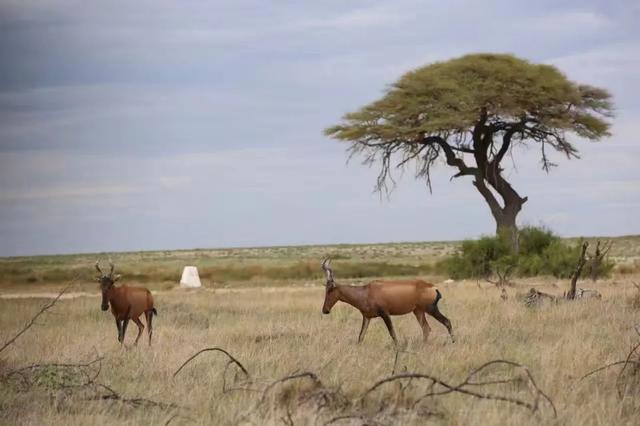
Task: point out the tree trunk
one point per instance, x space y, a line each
506 228
505 215
576 275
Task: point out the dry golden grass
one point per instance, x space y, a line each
276 332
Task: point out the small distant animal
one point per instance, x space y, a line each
535 298
587 293
127 303
386 298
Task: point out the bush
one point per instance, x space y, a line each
534 241
541 253
477 258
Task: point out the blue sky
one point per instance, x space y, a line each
161 125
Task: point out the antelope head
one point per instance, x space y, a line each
331 294
106 283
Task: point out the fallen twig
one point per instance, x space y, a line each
214 349
605 367
461 388
136 402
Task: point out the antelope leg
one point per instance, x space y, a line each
387 322
363 329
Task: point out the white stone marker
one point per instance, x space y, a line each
190 278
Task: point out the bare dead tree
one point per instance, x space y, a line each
571 295
596 260
503 275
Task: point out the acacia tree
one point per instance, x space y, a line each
470 112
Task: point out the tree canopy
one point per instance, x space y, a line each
470 112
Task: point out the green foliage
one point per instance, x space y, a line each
534 240
448 96
55 377
477 258
541 253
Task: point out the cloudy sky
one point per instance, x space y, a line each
180 124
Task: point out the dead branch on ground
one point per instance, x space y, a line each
214 349
290 402
463 388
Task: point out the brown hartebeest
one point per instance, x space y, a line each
385 298
127 303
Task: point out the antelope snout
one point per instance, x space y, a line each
104 307
325 311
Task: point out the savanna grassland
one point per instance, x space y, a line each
263 306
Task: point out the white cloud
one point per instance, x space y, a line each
361 18
608 64
70 192
567 22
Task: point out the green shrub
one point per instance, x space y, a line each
477 258
534 241
541 253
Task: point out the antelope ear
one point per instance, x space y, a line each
117 277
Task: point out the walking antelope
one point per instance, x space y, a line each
127 303
386 298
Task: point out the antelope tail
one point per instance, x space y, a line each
154 311
438 297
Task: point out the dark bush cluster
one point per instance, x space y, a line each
541 253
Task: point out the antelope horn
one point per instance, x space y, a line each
112 268
98 267
327 270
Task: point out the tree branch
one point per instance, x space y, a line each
450 156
